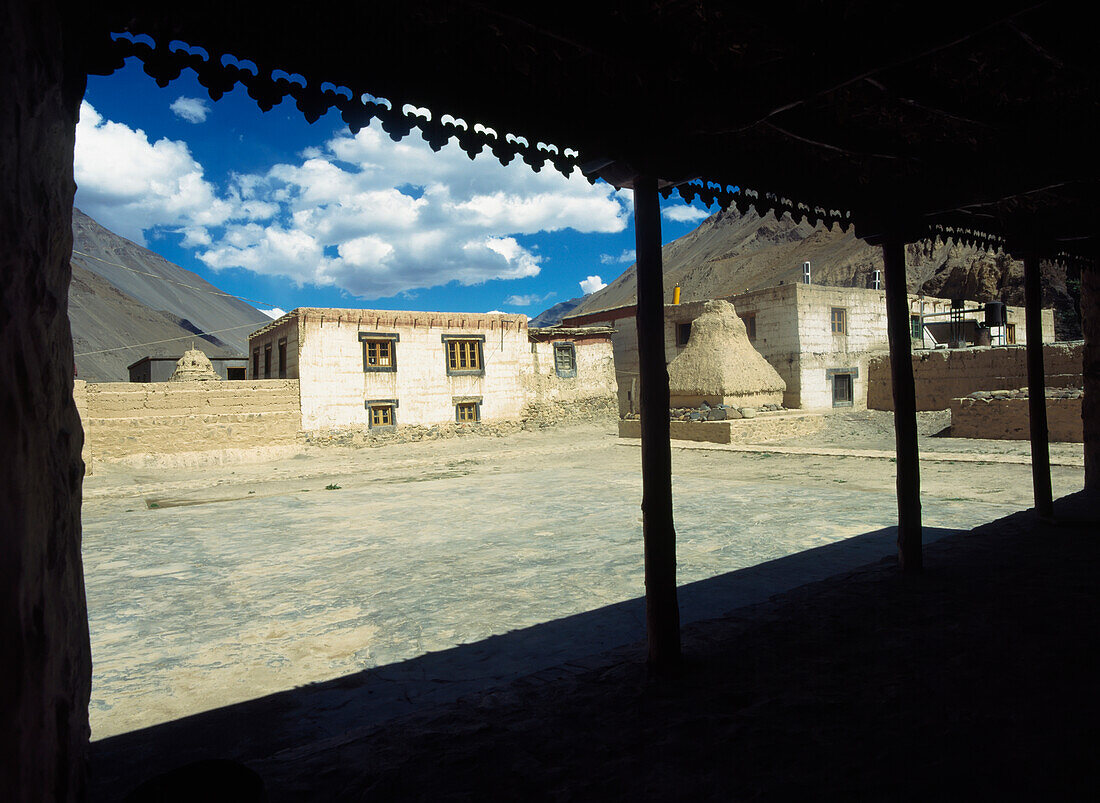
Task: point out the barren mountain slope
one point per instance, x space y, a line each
732 253
118 316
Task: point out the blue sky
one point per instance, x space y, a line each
269 207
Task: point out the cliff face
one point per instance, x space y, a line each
732 253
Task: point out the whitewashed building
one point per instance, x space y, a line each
819 339
381 368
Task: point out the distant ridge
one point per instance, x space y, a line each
553 316
731 253
113 309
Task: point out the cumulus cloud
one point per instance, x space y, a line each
682 213
131 185
592 284
362 213
625 258
193 110
274 312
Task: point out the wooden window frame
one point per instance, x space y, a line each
390 339
463 407
267 361
842 318
388 405
749 319
475 345
1010 334
256 363
569 347
683 333
282 358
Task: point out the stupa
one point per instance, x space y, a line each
194 366
720 366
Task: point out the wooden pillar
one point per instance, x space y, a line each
910 558
1090 369
45 660
662 610
1037 387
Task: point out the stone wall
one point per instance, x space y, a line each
1008 418
946 374
122 419
592 392
45 660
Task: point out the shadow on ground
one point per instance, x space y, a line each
975 678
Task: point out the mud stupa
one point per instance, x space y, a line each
720 366
194 366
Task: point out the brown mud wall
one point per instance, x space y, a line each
1008 419
129 418
945 374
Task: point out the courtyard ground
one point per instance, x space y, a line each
422 573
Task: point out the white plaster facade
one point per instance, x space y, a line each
793 328
326 350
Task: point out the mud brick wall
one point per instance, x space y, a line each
943 374
124 418
1008 419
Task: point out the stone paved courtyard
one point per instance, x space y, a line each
209 586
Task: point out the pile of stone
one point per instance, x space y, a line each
719 412
1052 393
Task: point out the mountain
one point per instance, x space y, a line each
732 253
553 316
126 302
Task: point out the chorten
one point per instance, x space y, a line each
720 366
194 366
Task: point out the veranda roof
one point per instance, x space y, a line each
956 119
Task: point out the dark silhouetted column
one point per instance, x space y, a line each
905 405
1090 369
662 610
1037 388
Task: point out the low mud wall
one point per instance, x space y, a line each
945 374
128 418
1008 417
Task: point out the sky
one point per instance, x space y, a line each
288 214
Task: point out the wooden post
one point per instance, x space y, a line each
910 557
1090 369
1037 387
662 610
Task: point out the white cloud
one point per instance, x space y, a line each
274 312
193 110
362 213
682 213
527 299
625 258
130 184
592 284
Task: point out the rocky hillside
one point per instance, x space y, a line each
732 253
126 302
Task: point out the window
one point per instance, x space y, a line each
1010 334
255 363
467 412
749 319
267 361
915 327
234 373
282 358
379 351
683 333
381 412
464 354
838 319
565 360
842 390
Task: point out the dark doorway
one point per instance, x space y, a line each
842 390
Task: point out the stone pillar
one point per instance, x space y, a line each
1090 407
45 663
